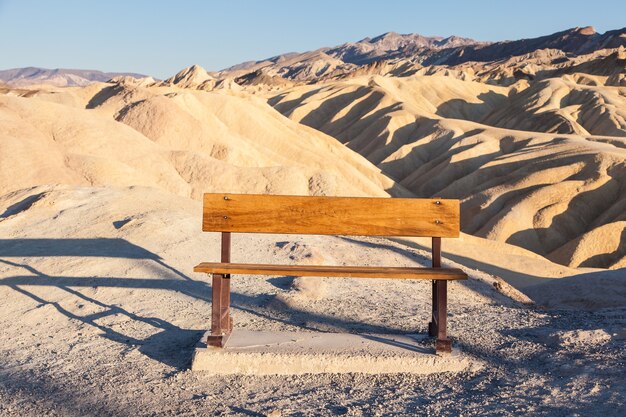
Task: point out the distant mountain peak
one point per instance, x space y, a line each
587 30
391 45
190 77
386 35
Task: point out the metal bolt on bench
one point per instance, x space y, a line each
250 213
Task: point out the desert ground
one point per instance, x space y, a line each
100 318
100 214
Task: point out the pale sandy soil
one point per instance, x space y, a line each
100 316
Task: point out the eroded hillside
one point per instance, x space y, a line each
183 141
541 165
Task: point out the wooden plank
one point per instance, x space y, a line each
334 271
253 213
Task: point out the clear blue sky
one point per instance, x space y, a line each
161 37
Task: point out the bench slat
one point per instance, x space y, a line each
334 271
363 216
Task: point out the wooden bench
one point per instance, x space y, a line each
227 213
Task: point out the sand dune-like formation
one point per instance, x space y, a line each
561 106
537 164
183 141
189 77
562 196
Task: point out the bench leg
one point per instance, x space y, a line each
432 324
221 323
436 263
440 317
437 324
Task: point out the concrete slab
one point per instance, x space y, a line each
293 353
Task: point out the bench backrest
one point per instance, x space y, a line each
361 216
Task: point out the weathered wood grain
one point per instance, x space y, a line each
253 213
334 271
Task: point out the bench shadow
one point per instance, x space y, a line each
474 285
169 344
534 286
86 247
474 264
164 345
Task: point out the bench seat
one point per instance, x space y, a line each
332 271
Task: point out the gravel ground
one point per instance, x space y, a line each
529 372
119 341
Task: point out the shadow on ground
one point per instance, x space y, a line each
171 345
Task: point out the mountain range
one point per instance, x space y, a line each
388 54
416 50
58 77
